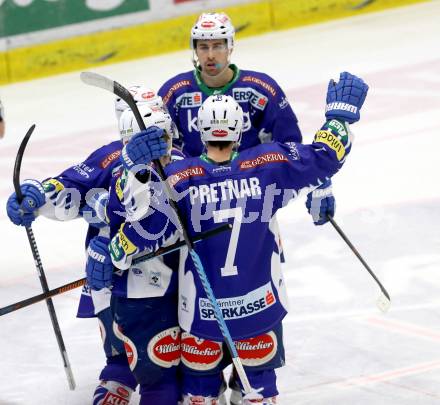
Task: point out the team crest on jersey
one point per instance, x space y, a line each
243 306
164 348
86 290
283 103
184 303
257 350
272 157
110 158
186 174
293 150
255 98
189 100
200 354
155 278
130 348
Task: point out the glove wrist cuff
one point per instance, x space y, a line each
34 183
341 106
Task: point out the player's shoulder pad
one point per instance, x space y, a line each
176 85
260 81
181 164
102 160
264 155
105 150
110 154
181 170
177 154
105 156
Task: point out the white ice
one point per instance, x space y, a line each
340 349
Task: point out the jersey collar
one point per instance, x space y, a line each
206 159
220 90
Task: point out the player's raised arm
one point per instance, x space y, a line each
344 100
308 167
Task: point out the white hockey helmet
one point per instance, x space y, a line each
152 116
213 26
220 118
141 94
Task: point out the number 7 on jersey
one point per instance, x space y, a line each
229 268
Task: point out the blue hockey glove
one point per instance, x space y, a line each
144 147
321 202
33 198
345 98
99 267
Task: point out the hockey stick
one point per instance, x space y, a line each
78 283
384 301
39 265
94 79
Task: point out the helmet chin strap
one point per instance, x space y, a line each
195 60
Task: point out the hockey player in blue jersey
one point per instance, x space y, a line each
267 113
64 196
144 296
246 189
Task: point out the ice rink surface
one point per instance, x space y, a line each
340 348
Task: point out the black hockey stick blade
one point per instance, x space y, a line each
383 302
39 264
17 165
79 283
